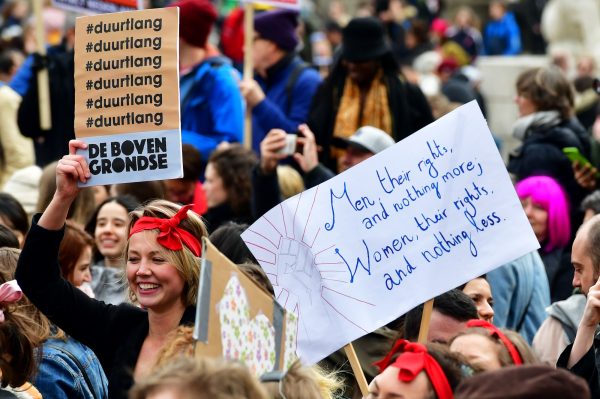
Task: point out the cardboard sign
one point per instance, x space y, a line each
127 95
236 319
410 223
292 4
92 7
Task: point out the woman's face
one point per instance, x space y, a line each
111 232
213 187
387 386
156 283
525 105
480 292
81 273
538 218
479 350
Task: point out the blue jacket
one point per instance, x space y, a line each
60 377
521 294
212 108
280 109
502 37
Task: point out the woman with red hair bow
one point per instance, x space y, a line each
418 372
489 348
162 270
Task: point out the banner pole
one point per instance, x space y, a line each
358 372
248 66
42 75
425 319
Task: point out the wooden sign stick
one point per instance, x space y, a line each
42 75
248 66
358 372
425 319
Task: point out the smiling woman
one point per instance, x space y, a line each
162 271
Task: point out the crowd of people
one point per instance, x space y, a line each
98 285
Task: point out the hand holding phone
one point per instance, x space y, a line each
574 155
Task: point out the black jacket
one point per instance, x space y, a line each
409 108
541 154
114 333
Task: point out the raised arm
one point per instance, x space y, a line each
71 169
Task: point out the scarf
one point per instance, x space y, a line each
524 124
375 110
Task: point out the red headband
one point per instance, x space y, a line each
512 350
170 236
414 359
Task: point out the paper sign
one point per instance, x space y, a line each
418 219
92 7
292 4
238 320
127 95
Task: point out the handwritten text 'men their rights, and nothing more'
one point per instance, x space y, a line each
401 194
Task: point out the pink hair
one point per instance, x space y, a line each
547 193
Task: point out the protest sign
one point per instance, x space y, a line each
92 7
127 95
410 223
293 4
236 319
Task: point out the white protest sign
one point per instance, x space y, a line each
127 95
418 219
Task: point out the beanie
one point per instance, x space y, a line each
279 27
196 18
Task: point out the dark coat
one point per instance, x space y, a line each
409 108
541 154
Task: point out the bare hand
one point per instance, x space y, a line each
270 148
591 314
308 159
251 92
585 175
70 170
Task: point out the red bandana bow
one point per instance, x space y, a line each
495 332
170 235
413 359
10 292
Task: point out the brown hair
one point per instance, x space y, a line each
40 329
184 260
17 356
304 382
504 357
234 165
548 89
74 242
201 378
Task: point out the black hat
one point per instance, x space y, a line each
364 40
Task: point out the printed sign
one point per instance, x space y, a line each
410 223
127 95
238 320
93 7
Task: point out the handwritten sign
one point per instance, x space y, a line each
292 4
418 219
127 95
92 7
238 320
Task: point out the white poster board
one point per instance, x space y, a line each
418 219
